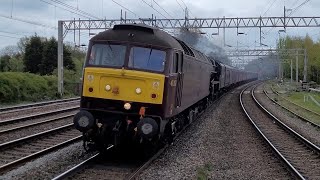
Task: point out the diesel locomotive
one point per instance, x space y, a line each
142 85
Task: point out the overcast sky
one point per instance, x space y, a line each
37 11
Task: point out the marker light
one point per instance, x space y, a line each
108 87
138 91
153 96
127 106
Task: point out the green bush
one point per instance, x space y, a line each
18 86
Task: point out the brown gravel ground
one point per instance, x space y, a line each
222 144
307 130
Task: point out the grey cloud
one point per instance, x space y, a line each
22 5
38 11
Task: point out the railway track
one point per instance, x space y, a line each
15 126
16 152
116 165
93 167
98 167
301 156
13 109
13 118
296 109
37 115
18 127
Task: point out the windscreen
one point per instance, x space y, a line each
107 55
147 59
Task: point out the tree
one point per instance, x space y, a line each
4 63
16 64
9 50
67 59
22 43
49 56
313 56
33 55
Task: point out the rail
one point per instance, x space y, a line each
278 152
18 107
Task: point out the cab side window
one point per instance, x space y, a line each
175 63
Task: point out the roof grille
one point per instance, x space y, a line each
187 50
137 27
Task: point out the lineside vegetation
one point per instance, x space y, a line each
28 71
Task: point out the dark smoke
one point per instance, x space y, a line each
267 66
203 44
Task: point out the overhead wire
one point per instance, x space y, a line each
65 9
187 8
125 8
183 10
75 8
184 3
13 33
294 3
271 4
27 21
269 7
162 8
293 11
265 34
9 36
154 9
298 7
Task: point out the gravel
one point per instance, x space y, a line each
307 130
222 144
50 165
34 110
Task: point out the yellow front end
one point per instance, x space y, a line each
122 84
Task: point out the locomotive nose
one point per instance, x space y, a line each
83 121
147 128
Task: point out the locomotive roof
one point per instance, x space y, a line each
138 33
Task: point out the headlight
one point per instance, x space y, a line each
108 87
138 90
127 106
